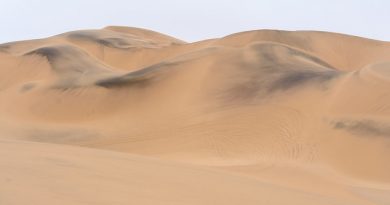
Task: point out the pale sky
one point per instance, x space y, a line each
195 19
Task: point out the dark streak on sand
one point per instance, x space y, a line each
27 87
108 42
295 52
293 79
68 136
51 53
364 127
4 47
141 78
273 73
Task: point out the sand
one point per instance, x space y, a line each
131 116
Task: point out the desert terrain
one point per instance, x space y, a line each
125 115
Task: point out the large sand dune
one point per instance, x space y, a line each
131 116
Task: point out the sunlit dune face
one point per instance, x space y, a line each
132 116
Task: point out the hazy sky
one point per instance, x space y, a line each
196 19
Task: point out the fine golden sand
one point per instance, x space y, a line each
131 116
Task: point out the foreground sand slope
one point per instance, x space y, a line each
34 173
279 107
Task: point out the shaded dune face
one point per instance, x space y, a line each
253 103
4 48
112 40
120 39
276 67
137 78
73 66
341 51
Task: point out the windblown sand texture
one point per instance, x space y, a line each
131 116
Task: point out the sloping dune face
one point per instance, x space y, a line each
259 117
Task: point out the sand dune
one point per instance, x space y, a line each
126 115
48 174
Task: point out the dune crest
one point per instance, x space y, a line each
266 116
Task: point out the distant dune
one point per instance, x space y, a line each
131 116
